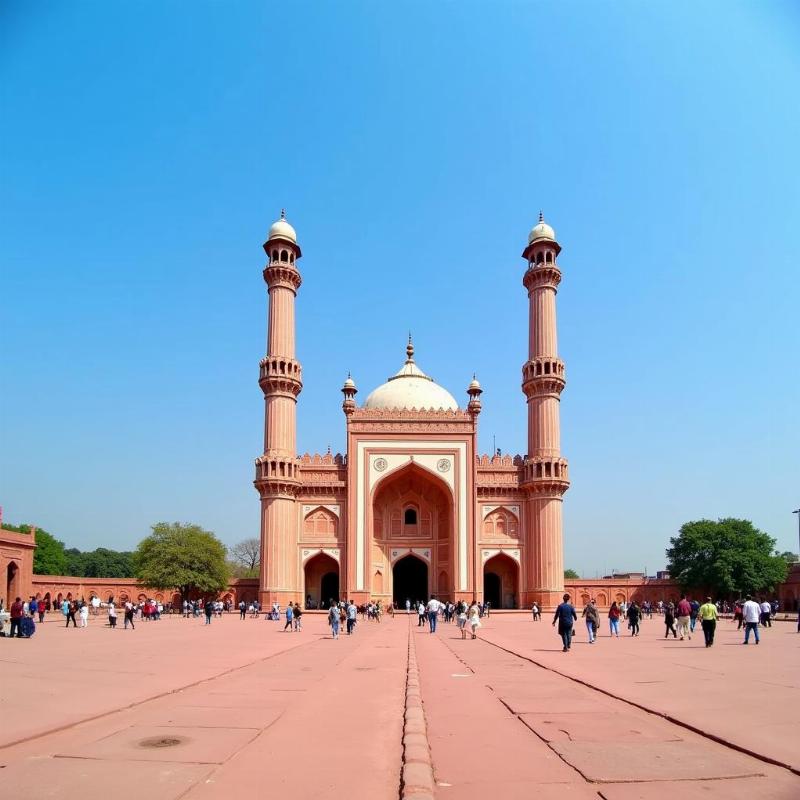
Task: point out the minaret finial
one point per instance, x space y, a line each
283 213
541 216
410 348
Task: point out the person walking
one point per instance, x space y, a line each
684 615
695 607
408 606
537 615
474 618
751 613
41 607
421 613
333 620
128 616
708 620
298 617
613 620
72 607
766 615
289 617
565 616
208 610
592 620
242 609
461 616
84 614
634 614
669 621
17 612
112 613
352 615
433 612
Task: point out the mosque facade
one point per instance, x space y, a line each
412 509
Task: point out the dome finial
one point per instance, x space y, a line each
541 216
283 214
409 349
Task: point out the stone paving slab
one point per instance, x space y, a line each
600 726
777 786
45 778
611 761
701 687
164 743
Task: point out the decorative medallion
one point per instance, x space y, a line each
443 465
380 464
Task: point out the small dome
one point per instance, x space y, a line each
474 385
541 230
349 383
281 229
411 388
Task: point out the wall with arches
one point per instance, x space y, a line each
16 565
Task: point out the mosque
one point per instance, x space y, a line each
412 509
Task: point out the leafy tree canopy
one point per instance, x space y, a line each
570 573
789 557
183 557
729 556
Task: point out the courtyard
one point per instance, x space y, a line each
176 708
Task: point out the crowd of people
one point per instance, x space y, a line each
680 619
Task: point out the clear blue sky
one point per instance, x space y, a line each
146 148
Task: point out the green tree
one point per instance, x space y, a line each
49 557
729 556
183 557
789 557
76 562
104 563
570 573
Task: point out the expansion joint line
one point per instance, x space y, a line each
416 781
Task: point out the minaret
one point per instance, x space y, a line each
545 476
280 379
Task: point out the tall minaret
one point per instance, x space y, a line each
545 475
280 379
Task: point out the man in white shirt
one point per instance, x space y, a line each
751 612
766 614
433 612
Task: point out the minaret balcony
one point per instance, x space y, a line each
277 475
541 376
279 375
543 475
282 275
541 276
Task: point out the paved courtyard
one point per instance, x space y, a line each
177 709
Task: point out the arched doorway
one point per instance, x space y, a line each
501 581
412 509
321 581
12 583
409 580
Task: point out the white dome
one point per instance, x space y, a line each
411 388
541 231
281 229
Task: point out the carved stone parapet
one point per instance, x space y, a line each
542 376
541 275
545 475
279 375
282 275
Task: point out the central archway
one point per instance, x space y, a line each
410 580
412 509
12 583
